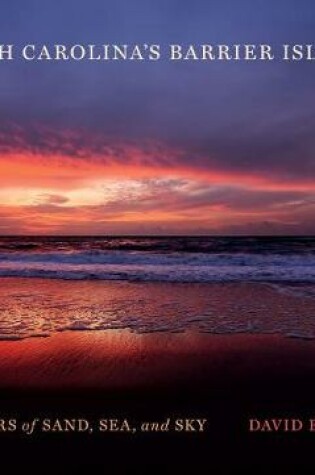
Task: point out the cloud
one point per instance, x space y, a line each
163 206
70 157
213 146
53 200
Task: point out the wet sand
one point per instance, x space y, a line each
123 360
119 374
151 376
42 307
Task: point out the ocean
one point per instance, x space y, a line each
219 285
161 259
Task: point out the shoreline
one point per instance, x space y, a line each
151 376
43 307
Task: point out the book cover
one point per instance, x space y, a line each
157 250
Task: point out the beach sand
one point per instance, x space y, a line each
122 360
119 373
41 307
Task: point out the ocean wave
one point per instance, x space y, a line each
191 244
161 267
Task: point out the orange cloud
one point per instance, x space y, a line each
69 193
64 172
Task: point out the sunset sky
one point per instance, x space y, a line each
157 147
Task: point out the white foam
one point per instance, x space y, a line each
168 267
